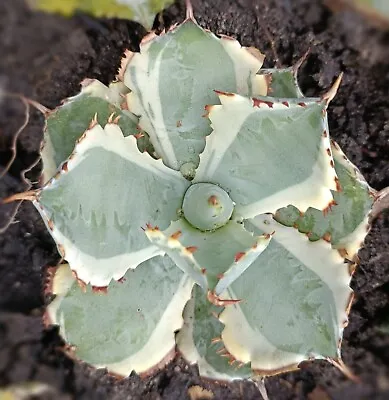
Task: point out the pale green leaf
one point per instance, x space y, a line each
199 341
268 153
174 77
68 122
214 259
346 223
105 194
129 328
142 11
303 291
282 82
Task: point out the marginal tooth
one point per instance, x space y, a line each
110 118
239 256
217 301
191 249
221 350
92 124
176 235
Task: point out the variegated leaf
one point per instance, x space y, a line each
213 259
199 341
303 292
68 122
267 154
172 79
129 328
142 11
345 223
97 205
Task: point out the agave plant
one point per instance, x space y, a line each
201 206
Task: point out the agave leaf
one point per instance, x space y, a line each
267 154
129 328
345 223
282 82
214 259
199 340
97 205
142 11
378 10
171 83
303 289
67 123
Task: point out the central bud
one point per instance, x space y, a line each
207 206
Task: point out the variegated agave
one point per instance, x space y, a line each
231 236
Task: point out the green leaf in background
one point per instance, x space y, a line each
378 6
142 11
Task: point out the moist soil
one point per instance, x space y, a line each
45 57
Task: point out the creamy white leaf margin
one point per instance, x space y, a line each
246 343
113 94
90 269
158 347
180 254
143 77
354 241
188 349
227 121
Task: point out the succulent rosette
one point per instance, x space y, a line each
201 206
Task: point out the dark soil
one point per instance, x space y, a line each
45 57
